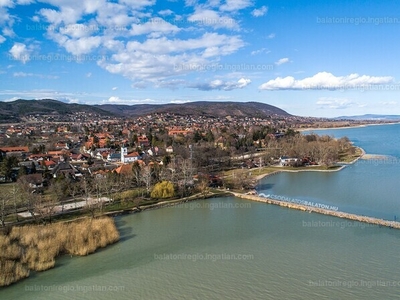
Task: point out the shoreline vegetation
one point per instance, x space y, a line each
33 248
345 127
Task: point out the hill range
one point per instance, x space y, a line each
16 110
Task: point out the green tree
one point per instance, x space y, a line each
163 190
197 136
22 171
33 168
209 136
6 166
166 160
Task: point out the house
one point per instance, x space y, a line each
143 141
169 149
49 164
178 132
129 157
62 145
39 157
124 169
14 151
30 166
127 168
290 161
64 168
114 157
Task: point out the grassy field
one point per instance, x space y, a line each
348 157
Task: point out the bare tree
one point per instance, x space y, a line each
87 190
147 178
4 200
15 195
29 197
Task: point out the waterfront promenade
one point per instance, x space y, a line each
305 208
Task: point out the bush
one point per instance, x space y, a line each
163 190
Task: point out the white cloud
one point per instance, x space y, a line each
260 12
271 36
106 27
68 100
6 3
158 58
335 103
23 74
260 51
114 88
78 30
83 45
155 26
208 17
2 39
138 4
219 84
20 52
39 94
282 61
179 101
11 99
166 12
88 75
234 5
118 100
325 81
388 103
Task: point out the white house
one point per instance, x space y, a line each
128 158
289 161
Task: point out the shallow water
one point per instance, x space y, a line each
228 248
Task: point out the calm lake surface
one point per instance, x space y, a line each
228 248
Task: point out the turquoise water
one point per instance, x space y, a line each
369 187
228 248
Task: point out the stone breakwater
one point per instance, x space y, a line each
338 214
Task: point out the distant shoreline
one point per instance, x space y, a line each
345 127
258 178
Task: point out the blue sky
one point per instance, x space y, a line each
311 58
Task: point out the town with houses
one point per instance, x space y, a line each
75 152
89 143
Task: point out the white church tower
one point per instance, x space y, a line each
124 151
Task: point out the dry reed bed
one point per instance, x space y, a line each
35 247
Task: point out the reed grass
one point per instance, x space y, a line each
35 247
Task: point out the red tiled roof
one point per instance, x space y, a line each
124 169
15 149
133 154
49 163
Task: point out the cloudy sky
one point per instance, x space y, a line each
311 58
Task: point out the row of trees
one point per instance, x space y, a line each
324 149
43 203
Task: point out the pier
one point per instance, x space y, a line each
333 213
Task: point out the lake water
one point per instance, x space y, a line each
228 248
